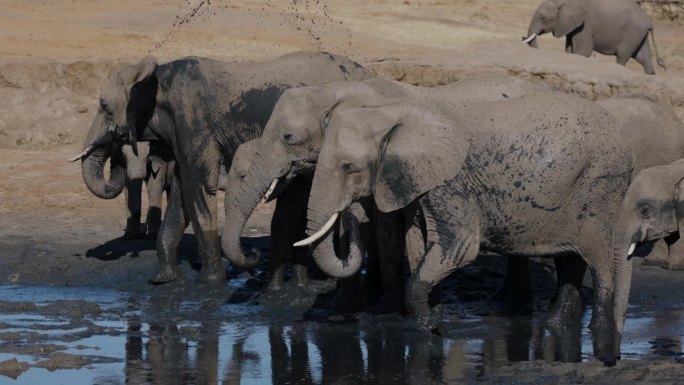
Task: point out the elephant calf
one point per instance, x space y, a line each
610 27
153 165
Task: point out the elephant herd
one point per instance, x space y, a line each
420 180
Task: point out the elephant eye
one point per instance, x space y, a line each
645 211
105 107
349 167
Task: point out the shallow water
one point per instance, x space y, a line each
136 339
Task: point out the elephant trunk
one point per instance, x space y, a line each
533 31
92 168
240 201
622 278
349 242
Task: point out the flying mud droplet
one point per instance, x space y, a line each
309 18
312 19
188 10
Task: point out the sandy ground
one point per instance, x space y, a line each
54 55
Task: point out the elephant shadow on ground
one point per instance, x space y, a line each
119 247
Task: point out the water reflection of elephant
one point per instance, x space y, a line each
523 339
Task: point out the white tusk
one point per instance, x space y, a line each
527 40
320 233
631 249
81 155
268 193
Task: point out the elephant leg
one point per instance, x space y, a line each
415 235
287 226
582 43
602 324
133 207
389 230
432 269
675 257
199 186
568 44
643 57
170 233
568 306
156 183
516 287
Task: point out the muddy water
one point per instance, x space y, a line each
189 335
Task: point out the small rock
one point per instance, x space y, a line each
13 368
63 361
82 110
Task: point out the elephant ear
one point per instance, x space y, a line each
416 156
679 197
145 68
571 15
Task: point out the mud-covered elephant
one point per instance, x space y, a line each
153 165
285 156
655 136
610 27
202 109
541 175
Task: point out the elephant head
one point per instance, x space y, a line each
394 153
559 17
127 103
653 207
288 147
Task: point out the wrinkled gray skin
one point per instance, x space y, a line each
153 165
203 110
541 175
653 207
655 136
610 27
288 150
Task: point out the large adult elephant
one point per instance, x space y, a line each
284 158
610 27
203 110
655 136
541 175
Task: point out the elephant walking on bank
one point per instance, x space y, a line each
541 175
202 109
610 27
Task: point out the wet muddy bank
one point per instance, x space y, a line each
115 328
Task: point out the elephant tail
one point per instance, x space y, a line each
659 60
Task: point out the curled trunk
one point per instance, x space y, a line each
349 244
92 168
240 201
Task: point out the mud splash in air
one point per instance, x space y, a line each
188 10
310 19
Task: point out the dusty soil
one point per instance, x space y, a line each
55 54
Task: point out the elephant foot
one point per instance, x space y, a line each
164 274
603 342
211 276
427 323
388 305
